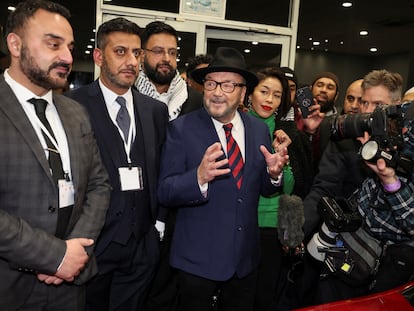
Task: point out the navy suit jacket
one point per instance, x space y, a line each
153 119
217 236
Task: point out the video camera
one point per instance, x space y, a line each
339 215
385 127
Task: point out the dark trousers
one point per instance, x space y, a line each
163 293
196 293
302 286
270 273
125 272
63 297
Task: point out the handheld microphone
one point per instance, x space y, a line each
291 218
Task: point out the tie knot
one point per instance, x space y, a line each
227 127
121 100
39 104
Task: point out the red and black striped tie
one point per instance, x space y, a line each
234 155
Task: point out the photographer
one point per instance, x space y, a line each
387 207
341 172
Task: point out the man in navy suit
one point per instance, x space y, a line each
216 238
130 129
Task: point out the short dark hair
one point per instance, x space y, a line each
193 62
26 9
273 72
156 28
118 24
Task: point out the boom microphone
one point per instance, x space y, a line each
291 218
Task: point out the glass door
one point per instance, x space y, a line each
259 49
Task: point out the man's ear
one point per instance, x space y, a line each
98 57
14 44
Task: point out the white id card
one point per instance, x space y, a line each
66 193
131 178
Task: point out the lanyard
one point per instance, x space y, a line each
64 159
128 142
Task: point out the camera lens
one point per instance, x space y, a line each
323 239
350 126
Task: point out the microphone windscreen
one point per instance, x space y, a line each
291 218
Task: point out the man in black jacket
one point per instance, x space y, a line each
160 79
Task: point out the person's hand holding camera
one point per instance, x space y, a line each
386 174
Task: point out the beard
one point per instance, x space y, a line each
327 106
157 77
113 78
41 77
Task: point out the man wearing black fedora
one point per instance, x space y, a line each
214 166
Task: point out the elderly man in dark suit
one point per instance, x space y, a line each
54 190
214 166
130 129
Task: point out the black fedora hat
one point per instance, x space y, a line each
227 60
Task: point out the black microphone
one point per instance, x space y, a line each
291 218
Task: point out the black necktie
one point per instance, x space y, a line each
236 163
122 118
55 161
55 164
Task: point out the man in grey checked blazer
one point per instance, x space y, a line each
39 271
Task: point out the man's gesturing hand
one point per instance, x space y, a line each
209 167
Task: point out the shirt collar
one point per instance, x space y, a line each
110 96
236 121
22 93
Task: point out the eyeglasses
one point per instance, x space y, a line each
227 87
161 51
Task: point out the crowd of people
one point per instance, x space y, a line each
148 191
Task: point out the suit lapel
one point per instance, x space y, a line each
108 134
13 109
142 116
69 126
207 127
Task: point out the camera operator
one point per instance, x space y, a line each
341 172
387 208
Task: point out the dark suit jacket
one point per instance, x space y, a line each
27 191
194 101
153 118
216 236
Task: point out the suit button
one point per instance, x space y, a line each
51 209
239 200
239 228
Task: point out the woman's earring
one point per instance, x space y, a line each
249 102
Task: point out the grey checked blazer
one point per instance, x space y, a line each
27 192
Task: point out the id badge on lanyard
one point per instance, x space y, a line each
131 176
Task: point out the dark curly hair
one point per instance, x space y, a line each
273 72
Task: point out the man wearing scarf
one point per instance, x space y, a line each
159 77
